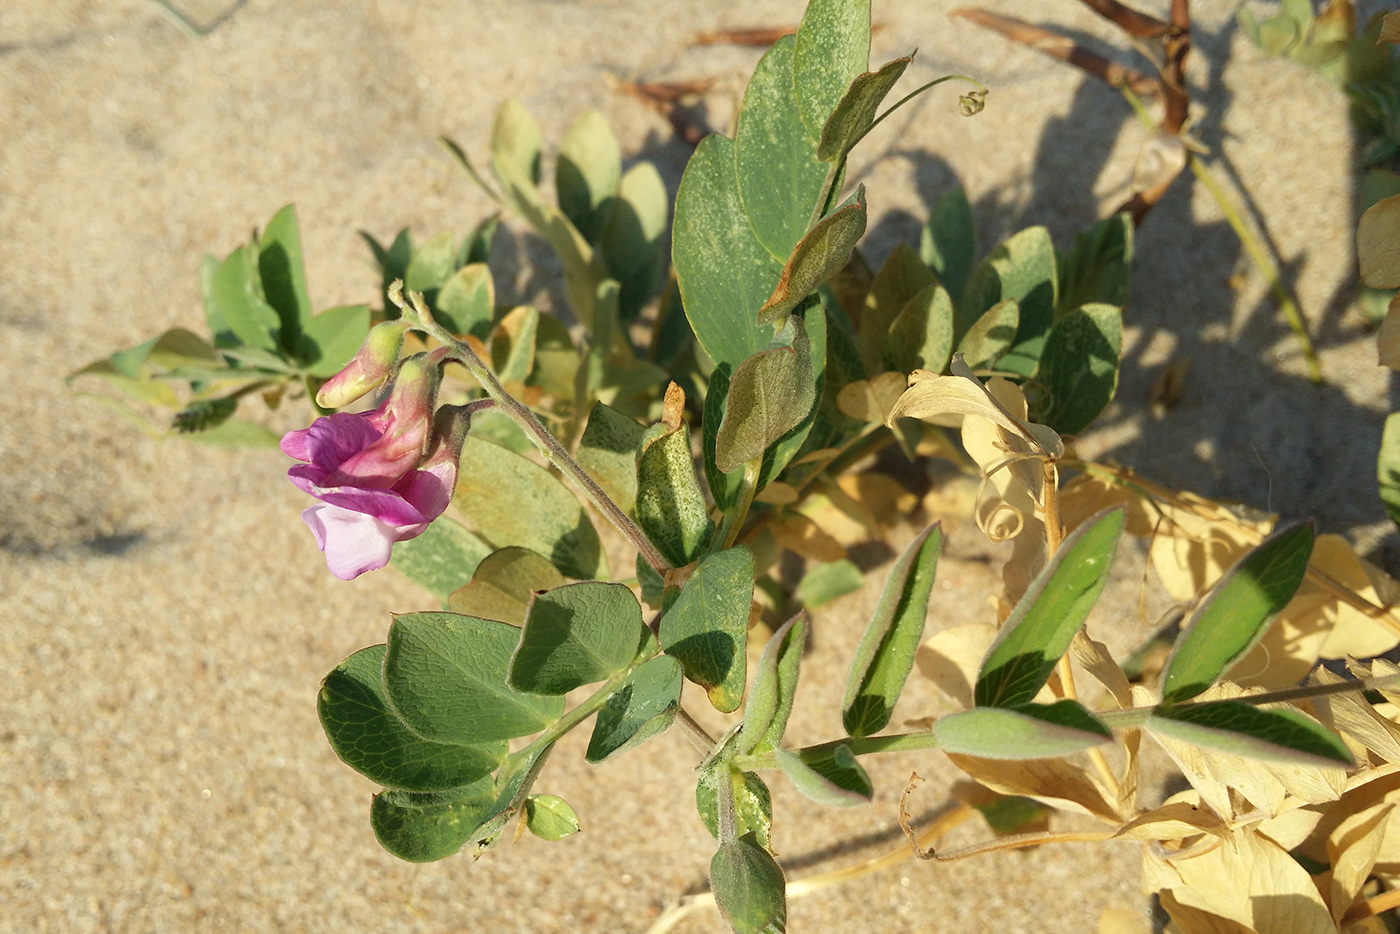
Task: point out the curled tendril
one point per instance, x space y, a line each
972 103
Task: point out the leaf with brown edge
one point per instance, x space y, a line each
817 257
870 400
770 393
855 113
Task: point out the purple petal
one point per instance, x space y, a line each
353 542
293 444
387 506
430 492
332 440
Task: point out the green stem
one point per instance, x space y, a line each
1250 243
859 745
981 88
549 446
734 519
574 717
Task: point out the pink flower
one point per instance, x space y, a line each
369 473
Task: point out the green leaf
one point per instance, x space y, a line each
329 340
817 257
832 50
780 176
513 344
753 805
1044 622
886 651
513 783
749 887
550 817
1023 269
991 335
855 113
515 146
442 559
1388 467
445 676
431 263
1097 270
514 501
632 238
218 327
725 273
235 297
1079 368
823 583
177 348
587 174
706 629
770 696
1237 612
769 394
608 452
393 263
901 278
575 635
795 439
504 583
421 828
670 507
283 277
642 706
466 303
476 248
1026 731
369 738
921 335
948 242
1239 729
829 776
724 486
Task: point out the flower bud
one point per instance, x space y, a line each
404 423
369 368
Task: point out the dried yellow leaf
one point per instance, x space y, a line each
1055 782
1378 244
1175 820
1352 849
886 501
1094 658
951 658
1390 28
1350 715
799 534
777 493
870 400
1290 828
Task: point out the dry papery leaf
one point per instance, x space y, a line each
1390 28
952 657
1378 244
870 400
797 533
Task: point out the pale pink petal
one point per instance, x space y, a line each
352 541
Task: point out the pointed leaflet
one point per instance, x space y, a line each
830 776
670 507
1026 731
590 164
770 697
948 243
608 452
1234 616
442 559
1079 368
989 338
749 887
575 635
514 501
369 738
833 48
725 273
780 176
706 628
503 584
1099 266
235 297
851 119
1240 729
818 257
445 676
921 336
421 828
1022 268
753 804
1043 624
769 394
782 451
886 650
641 707
283 278
329 340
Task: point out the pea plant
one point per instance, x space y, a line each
722 411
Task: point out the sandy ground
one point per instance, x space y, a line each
167 619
